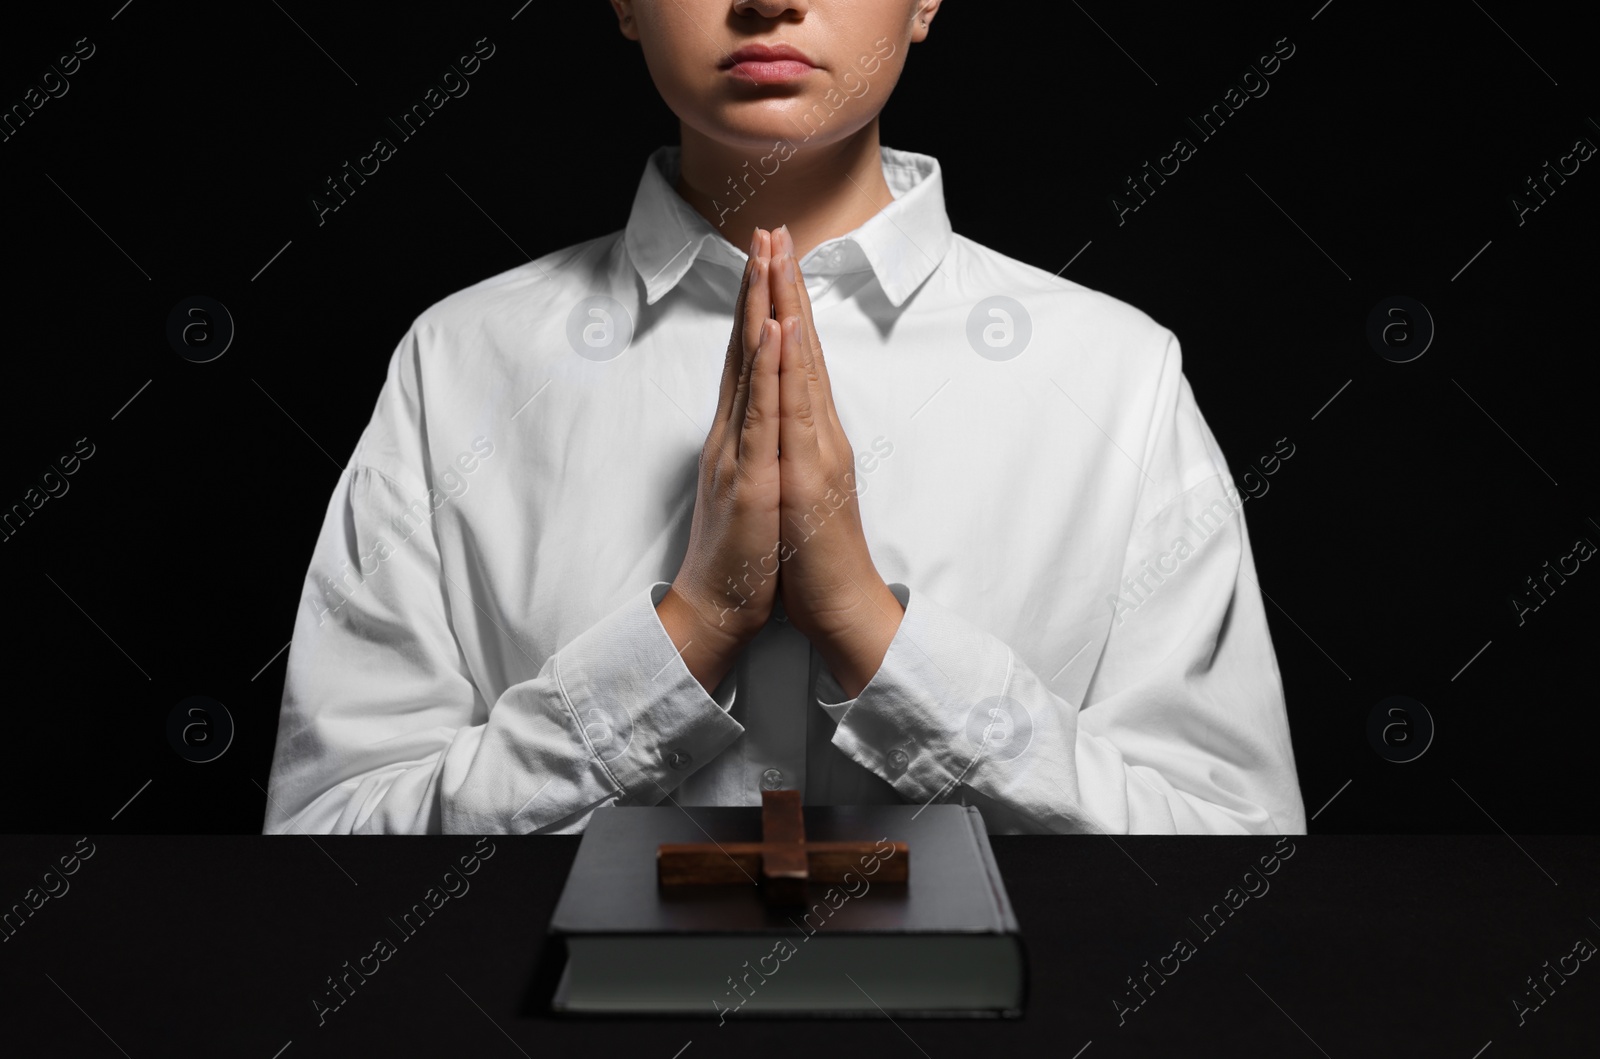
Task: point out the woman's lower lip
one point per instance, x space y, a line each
767 73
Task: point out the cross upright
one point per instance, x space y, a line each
783 858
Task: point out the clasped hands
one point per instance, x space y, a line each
775 513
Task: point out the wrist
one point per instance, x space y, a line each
854 652
711 620
708 648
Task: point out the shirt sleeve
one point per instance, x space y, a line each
1183 728
383 728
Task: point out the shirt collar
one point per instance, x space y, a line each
903 242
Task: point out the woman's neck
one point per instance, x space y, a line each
820 191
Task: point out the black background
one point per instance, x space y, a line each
193 139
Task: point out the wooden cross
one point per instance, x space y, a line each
783 857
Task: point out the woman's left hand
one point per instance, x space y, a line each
830 588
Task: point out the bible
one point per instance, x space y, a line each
700 911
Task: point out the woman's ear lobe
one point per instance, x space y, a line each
625 22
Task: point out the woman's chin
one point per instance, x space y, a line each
761 124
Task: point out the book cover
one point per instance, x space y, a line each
943 943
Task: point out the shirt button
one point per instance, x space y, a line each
899 759
771 780
679 759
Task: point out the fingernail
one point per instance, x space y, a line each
755 242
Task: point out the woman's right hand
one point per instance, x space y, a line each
725 587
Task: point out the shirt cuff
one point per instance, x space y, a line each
910 724
643 715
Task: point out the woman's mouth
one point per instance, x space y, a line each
765 64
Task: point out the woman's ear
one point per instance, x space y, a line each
624 10
926 9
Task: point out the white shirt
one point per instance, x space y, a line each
1083 647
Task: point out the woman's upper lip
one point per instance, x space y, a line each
766 53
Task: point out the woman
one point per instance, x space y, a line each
579 559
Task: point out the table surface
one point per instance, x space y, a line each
1353 946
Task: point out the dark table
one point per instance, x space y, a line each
1353 946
